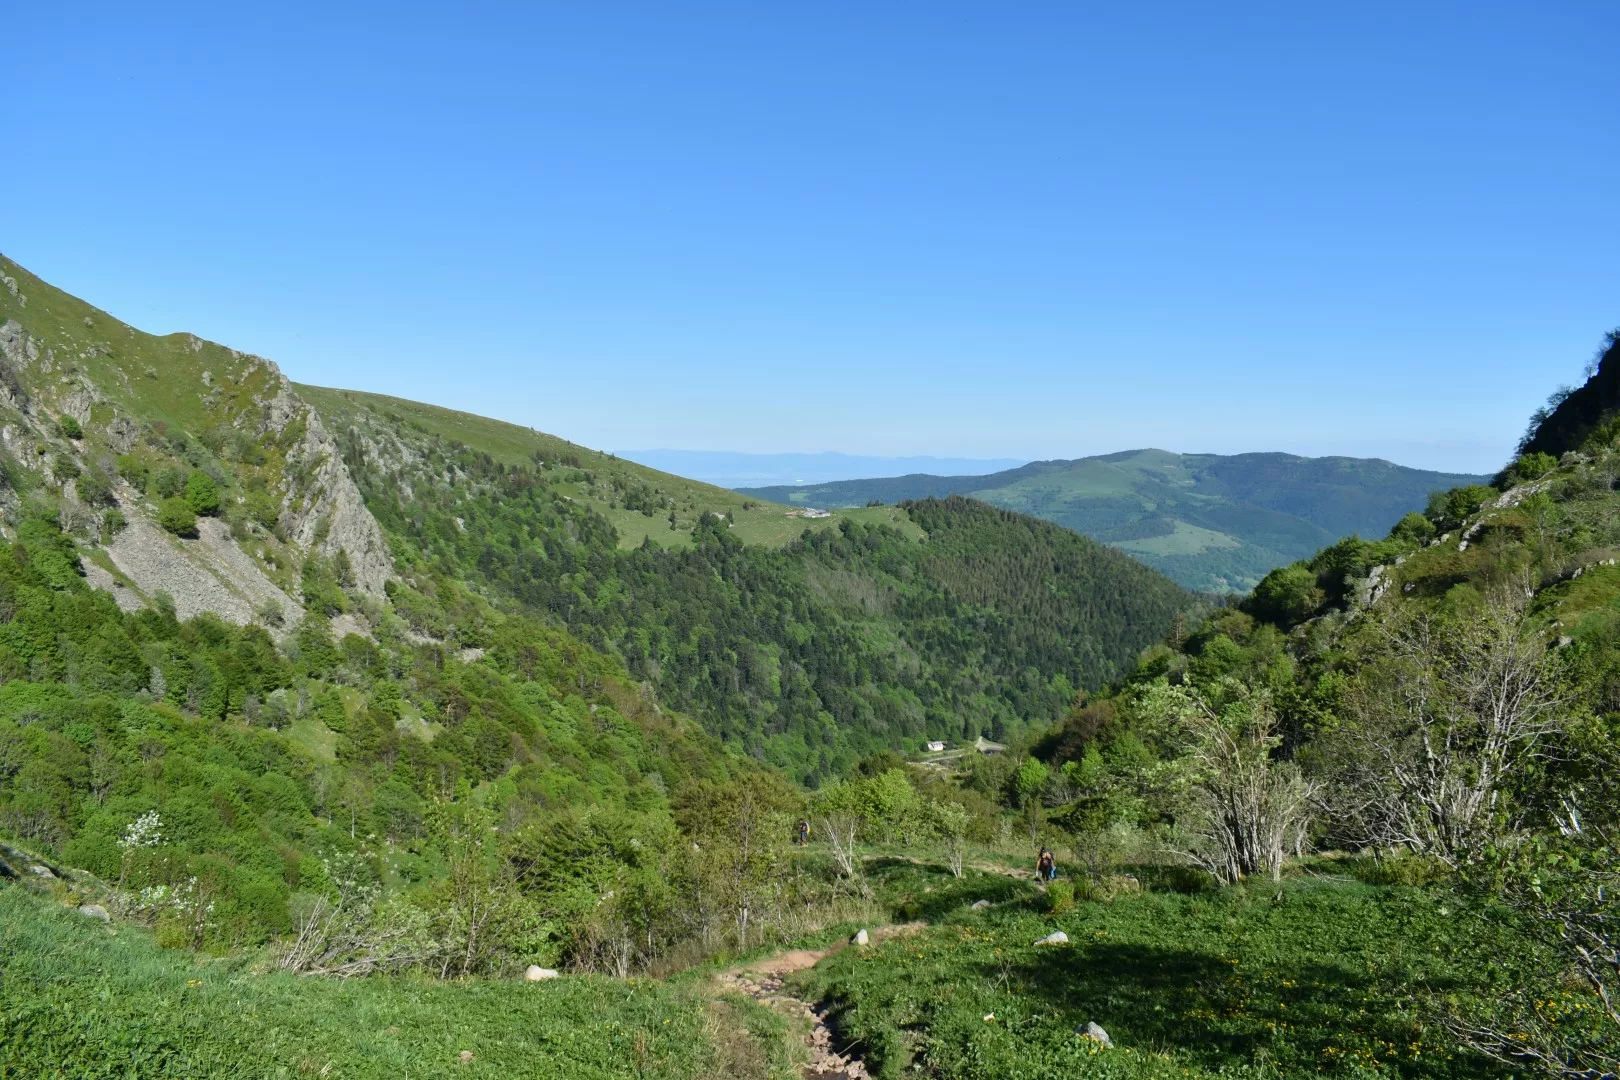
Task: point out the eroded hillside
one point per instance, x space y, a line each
117 428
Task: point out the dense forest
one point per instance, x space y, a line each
840 643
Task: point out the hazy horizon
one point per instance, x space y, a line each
737 469
745 469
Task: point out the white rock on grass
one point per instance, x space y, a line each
1095 1032
862 937
95 911
980 905
536 973
1056 937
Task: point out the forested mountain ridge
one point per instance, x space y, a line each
1212 522
931 620
638 501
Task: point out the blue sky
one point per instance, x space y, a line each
908 228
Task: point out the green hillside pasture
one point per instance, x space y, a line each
79 1000
1322 976
755 521
150 377
1185 540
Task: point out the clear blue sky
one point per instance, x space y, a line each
1030 230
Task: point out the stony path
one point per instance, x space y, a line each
764 981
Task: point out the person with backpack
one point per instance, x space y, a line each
1045 866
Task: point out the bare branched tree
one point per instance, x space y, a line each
1246 807
350 932
1251 807
842 828
1441 719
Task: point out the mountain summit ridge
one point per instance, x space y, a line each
1212 522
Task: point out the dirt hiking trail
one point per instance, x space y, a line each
764 981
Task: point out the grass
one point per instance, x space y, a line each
140 374
80 1000
1322 976
755 521
318 740
1184 540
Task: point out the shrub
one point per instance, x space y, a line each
112 523
95 488
202 493
176 515
70 428
1405 869
262 507
133 469
169 482
1286 596
1059 897
1527 468
1414 528
1448 508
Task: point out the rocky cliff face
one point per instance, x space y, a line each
323 510
89 404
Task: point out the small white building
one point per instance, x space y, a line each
935 747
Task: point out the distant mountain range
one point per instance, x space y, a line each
1213 522
736 470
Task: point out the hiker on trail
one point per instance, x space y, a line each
1045 867
804 832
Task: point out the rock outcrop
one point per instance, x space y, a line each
324 512
178 402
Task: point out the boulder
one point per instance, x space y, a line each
95 911
862 937
536 973
1095 1032
1056 937
980 905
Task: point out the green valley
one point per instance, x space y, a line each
343 735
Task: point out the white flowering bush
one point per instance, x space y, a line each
141 834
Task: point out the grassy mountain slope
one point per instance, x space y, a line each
638 501
878 628
808 641
80 1000
1211 522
